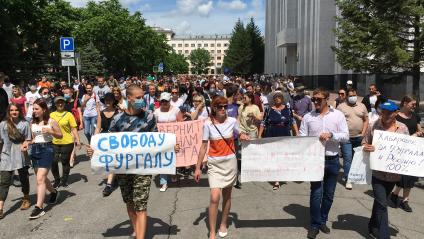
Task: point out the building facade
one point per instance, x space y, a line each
299 38
217 45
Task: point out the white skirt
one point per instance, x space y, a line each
222 173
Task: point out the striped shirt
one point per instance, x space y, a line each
218 148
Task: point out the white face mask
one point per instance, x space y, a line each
352 99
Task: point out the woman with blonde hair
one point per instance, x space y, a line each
199 110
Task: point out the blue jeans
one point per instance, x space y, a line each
347 153
380 217
322 193
89 126
163 179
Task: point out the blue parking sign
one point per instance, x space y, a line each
67 44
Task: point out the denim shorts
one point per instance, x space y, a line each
41 155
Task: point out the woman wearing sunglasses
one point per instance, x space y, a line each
219 131
166 113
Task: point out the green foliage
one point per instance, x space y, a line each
246 51
200 60
30 32
381 36
91 60
175 64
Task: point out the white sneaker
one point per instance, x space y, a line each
348 186
163 188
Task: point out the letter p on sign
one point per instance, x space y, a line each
67 44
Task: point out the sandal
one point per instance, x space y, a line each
276 186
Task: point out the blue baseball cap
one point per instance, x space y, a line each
389 106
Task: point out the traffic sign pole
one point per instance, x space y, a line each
69 77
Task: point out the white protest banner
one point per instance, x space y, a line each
134 153
189 137
282 159
360 172
398 153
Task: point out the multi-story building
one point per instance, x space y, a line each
299 38
217 45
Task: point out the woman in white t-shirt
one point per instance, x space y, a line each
218 132
166 113
199 111
41 153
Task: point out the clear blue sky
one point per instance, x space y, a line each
195 16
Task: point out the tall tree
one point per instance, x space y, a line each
200 59
91 60
258 47
175 64
239 55
381 36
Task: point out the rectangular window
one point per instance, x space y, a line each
212 45
205 45
218 58
173 45
218 51
186 51
185 45
218 45
219 63
193 45
180 45
212 51
199 45
180 51
226 44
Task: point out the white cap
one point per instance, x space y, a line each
165 96
349 82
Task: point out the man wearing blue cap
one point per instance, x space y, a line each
382 182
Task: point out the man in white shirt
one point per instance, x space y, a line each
330 126
101 89
7 86
177 100
31 96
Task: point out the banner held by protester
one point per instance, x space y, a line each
398 153
283 159
189 137
134 153
360 172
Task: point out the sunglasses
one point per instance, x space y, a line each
341 93
220 107
317 100
174 93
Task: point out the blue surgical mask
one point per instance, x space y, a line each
139 104
67 97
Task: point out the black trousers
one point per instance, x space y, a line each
6 181
62 153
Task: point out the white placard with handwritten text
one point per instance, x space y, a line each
398 153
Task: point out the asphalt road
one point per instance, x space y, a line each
181 212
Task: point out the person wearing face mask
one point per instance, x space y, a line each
30 97
356 115
382 182
90 106
330 126
407 116
46 96
135 189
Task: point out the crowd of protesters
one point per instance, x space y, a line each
39 129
